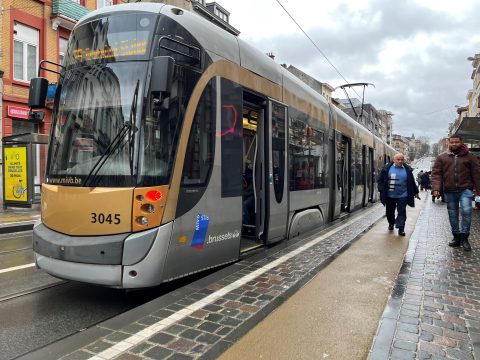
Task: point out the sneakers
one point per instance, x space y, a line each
390 226
401 232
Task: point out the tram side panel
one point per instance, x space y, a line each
207 228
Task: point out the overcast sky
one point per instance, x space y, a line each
414 51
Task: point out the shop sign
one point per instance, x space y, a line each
17 112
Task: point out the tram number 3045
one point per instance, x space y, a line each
101 218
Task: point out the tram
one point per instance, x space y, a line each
176 147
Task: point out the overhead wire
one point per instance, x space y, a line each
314 44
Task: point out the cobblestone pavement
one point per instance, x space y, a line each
203 324
434 309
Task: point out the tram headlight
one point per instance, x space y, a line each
149 208
142 220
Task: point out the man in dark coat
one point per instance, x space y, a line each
397 190
456 172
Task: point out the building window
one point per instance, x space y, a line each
103 3
221 15
25 52
62 49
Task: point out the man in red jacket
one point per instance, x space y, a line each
457 173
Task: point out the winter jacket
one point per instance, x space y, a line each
456 172
425 180
412 188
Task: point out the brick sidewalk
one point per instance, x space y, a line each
434 309
202 324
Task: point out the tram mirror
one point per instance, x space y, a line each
162 74
37 93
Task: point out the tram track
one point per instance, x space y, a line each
30 291
8 252
15 242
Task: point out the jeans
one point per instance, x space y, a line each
464 198
401 205
249 210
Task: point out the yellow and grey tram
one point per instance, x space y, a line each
176 147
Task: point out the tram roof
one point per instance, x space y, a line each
154 8
222 44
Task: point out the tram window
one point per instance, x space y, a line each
357 172
201 144
199 155
308 158
231 139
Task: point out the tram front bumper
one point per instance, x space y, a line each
107 275
140 266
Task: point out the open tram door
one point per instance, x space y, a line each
265 212
252 216
253 198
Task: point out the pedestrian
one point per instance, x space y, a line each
419 178
398 189
457 173
425 181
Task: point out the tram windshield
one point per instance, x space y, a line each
97 115
106 129
96 124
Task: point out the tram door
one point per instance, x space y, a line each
367 191
336 160
276 184
344 172
265 140
370 171
254 178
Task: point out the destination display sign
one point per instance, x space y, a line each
110 39
126 47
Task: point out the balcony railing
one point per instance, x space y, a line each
68 9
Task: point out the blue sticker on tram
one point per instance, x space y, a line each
201 227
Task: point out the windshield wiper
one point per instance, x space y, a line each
127 128
114 145
133 121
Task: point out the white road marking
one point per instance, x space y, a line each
17 268
153 329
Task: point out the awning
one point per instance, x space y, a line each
29 138
469 129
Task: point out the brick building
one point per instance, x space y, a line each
33 30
